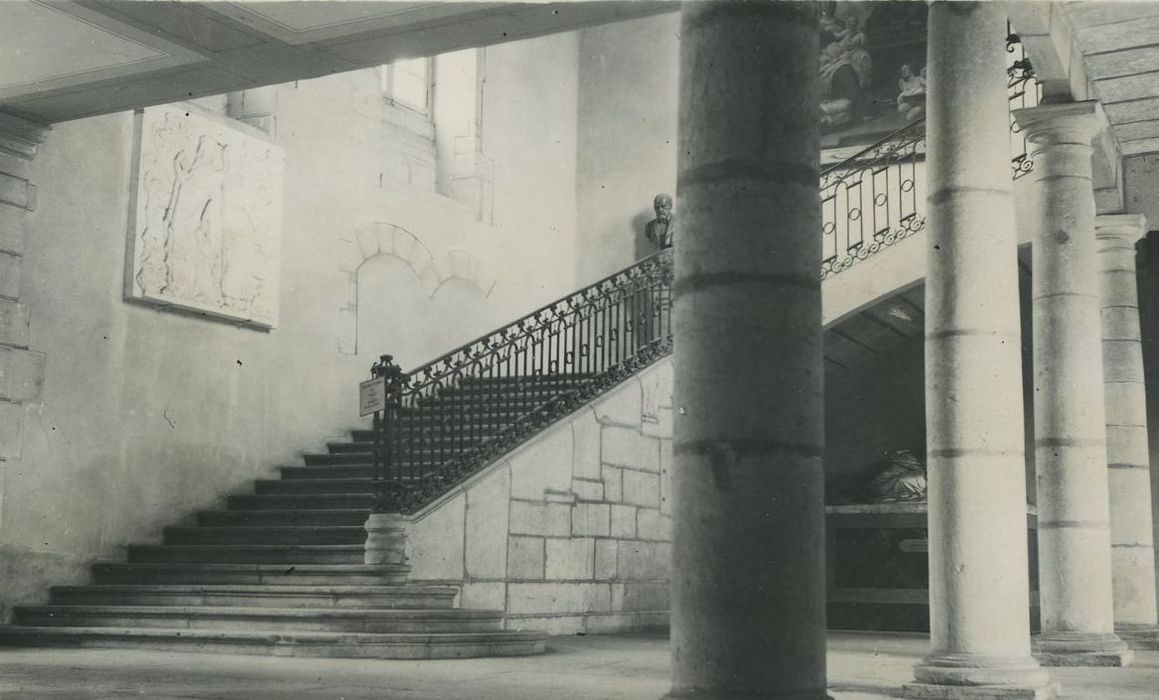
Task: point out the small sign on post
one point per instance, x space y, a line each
371 396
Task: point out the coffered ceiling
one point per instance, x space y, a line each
1119 43
63 60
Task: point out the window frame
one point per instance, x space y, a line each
387 86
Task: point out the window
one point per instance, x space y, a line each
408 84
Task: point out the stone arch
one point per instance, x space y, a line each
460 265
374 239
371 240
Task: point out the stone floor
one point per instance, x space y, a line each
861 667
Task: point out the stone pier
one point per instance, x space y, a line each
979 586
1128 463
1074 543
748 575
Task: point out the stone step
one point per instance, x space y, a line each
266 619
366 458
266 518
248 554
329 472
313 644
446 441
494 412
499 409
502 393
194 573
287 534
540 379
399 597
447 421
300 501
317 486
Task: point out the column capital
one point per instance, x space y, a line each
1131 227
21 137
1064 122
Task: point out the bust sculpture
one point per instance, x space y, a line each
661 229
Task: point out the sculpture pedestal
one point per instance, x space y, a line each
878 567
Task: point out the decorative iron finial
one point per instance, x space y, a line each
395 378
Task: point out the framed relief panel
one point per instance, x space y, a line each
205 216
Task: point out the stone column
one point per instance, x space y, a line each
748 576
1128 463
1074 544
21 368
979 585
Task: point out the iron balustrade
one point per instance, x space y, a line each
871 200
449 418
1023 90
876 197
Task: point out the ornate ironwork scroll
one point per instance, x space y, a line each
449 418
1023 90
873 199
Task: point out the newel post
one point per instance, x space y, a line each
386 525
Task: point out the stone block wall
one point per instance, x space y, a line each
21 367
570 532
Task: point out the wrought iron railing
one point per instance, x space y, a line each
872 199
1023 90
875 197
448 418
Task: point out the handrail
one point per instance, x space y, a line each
874 198
653 256
449 417
865 158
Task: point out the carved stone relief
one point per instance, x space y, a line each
207 217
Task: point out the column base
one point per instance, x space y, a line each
1139 636
929 691
725 695
1082 649
967 676
974 670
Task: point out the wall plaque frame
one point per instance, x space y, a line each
205 218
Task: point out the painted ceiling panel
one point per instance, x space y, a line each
1118 36
305 22
185 22
66 45
1093 13
1128 87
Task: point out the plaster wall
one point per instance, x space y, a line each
529 129
627 137
570 532
149 415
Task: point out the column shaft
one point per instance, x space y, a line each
748 589
1074 543
979 588
1128 463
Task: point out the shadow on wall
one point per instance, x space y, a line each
641 246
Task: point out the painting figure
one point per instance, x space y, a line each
911 100
846 69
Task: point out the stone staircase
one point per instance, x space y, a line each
280 571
